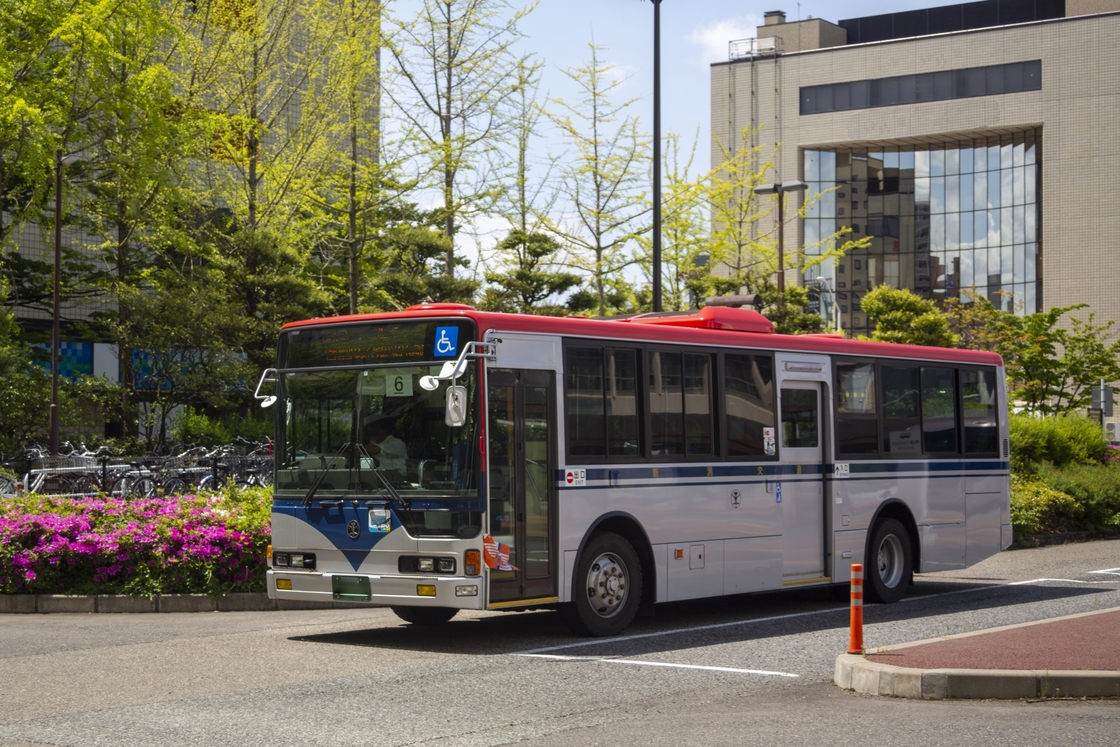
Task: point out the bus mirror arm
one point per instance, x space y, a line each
267 376
456 414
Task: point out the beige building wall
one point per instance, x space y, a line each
1077 110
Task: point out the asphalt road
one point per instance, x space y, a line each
745 670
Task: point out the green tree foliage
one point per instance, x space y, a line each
530 281
25 389
745 255
901 316
1052 360
459 73
1056 369
267 283
604 183
415 271
686 253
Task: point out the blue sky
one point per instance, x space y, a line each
694 34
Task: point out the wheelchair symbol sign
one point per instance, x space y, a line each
447 342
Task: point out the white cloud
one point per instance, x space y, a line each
713 37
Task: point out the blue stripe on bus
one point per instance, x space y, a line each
865 470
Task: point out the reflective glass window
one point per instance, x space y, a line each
902 414
857 421
939 410
622 402
748 398
666 404
978 411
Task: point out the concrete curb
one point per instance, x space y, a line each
853 672
118 603
856 673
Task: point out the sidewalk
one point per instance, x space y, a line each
1076 656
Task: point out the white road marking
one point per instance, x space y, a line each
1109 571
1062 580
638 662
676 631
835 610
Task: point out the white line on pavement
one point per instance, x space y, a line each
773 618
1109 571
638 662
676 631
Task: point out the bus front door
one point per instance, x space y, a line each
800 484
522 507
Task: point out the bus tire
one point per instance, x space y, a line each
889 570
607 589
424 616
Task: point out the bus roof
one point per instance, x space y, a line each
711 325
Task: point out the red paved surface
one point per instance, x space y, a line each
1089 642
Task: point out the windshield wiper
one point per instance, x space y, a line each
322 476
382 478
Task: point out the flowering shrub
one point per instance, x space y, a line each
213 544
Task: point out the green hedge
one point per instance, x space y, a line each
1039 509
1095 487
1060 441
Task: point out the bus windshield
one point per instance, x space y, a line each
350 423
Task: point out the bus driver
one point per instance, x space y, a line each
388 449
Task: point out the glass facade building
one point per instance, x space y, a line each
942 218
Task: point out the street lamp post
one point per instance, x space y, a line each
780 190
656 155
57 293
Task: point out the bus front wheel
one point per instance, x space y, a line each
888 571
424 616
607 589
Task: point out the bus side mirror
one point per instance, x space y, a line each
456 414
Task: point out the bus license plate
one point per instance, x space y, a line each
350 588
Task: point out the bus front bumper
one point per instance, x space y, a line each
458 592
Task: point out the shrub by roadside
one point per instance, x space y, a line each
1038 509
212 544
1060 441
1095 487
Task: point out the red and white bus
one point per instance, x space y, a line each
443 458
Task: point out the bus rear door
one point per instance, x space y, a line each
799 485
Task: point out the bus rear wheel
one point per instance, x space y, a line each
888 572
424 616
607 589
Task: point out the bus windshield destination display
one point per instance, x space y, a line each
363 343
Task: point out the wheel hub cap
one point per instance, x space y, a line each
607 584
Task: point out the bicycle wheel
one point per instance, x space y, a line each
175 486
86 485
120 486
142 487
7 487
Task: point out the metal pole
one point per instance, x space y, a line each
781 251
657 155
57 283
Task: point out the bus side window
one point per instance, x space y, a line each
622 403
978 402
939 410
857 421
748 399
902 413
584 404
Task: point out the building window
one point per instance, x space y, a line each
961 83
960 220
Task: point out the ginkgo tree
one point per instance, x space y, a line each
605 207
